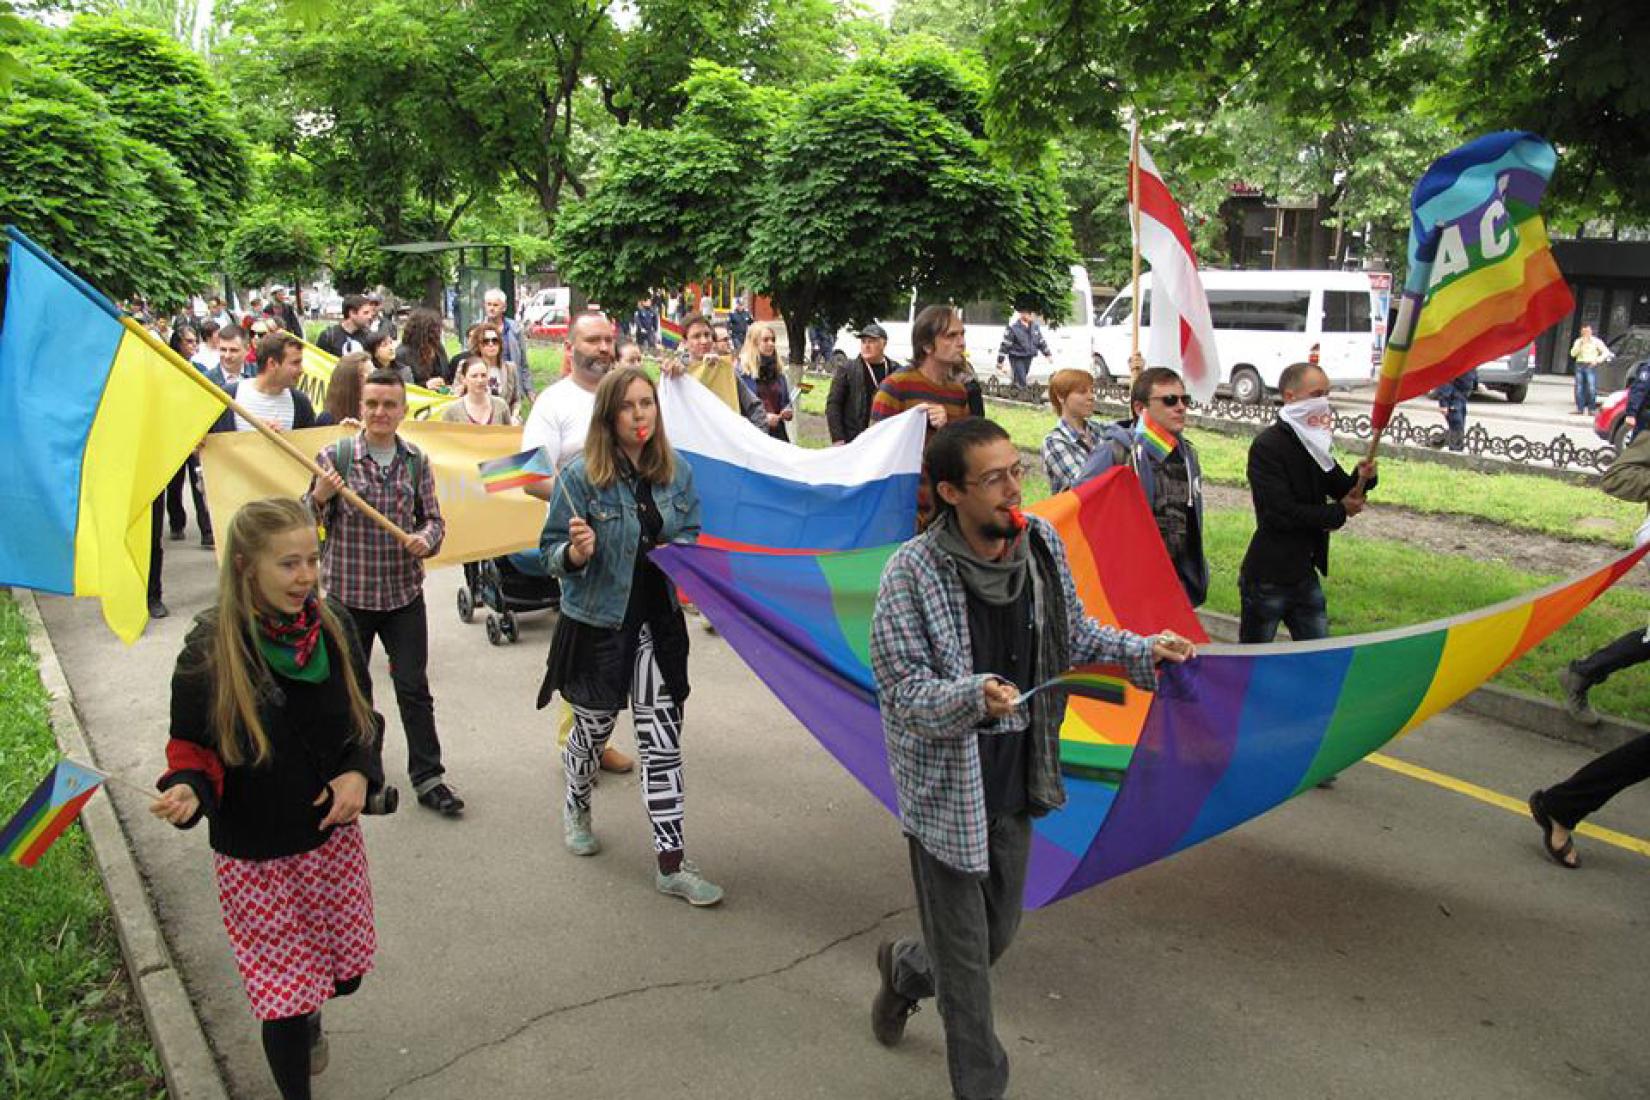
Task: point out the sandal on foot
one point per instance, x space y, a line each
1560 855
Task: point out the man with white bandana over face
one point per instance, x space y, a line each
1300 495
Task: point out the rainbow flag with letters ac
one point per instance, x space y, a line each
1482 280
1228 736
96 415
56 802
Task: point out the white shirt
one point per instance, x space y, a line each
205 359
277 411
560 420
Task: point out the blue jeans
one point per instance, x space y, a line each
1298 606
1020 368
1586 388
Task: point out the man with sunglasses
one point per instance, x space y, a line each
1153 443
956 636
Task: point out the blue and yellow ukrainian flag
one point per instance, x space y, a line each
96 415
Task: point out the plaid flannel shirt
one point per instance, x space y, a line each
362 565
933 703
1064 454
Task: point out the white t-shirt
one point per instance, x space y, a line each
277 410
560 420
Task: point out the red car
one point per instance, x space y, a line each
1608 421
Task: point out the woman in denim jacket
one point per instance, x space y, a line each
621 636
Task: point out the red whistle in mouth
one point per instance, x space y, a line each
1019 519
641 435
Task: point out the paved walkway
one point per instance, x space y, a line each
1387 938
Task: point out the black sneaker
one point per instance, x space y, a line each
177 534
889 1008
157 610
1576 687
207 541
443 800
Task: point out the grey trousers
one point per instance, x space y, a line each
968 921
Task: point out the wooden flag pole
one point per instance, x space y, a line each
1134 218
263 429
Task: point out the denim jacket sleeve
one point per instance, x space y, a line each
688 529
907 659
553 541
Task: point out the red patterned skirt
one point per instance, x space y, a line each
298 924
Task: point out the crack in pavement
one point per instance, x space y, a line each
712 985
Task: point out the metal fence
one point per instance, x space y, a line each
1558 454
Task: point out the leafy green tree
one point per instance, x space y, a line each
271 243
163 94
834 204
71 184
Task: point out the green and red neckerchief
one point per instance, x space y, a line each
293 645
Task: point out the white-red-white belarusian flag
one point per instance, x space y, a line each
1182 336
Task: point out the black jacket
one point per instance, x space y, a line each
303 410
1296 506
268 811
848 407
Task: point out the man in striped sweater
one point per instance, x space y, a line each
929 383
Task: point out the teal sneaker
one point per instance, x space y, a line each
689 885
576 832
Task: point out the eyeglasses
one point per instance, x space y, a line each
1170 400
490 340
994 479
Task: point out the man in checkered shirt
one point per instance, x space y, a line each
977 608
378 578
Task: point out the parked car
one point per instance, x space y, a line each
1509 374
1626 349
1264 321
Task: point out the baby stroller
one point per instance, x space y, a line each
506 585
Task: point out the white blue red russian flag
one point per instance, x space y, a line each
760 493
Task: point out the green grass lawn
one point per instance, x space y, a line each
1523 501
68 1024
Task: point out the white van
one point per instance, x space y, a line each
984 320
1264 321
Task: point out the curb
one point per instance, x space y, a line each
174 1027
1518 709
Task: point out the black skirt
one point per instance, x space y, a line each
593 666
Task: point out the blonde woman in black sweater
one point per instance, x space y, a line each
274 742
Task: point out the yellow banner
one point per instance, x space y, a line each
243 466
718 379
422 404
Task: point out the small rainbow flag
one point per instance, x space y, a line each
56 802
514 471
1103 682
670 335
1157 439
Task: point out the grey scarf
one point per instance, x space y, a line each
995 582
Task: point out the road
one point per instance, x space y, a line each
1547 412
1386 938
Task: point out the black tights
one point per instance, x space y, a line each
287 1042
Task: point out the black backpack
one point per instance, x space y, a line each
343 457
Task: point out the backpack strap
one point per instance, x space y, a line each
415 466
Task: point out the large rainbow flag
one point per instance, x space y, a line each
56 802
1482 280
96 415
1228 736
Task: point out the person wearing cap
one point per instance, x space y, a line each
854 386
285 312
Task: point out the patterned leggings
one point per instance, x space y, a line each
658 722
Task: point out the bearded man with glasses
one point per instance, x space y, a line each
978 608
1153 443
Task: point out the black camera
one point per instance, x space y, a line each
384 800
